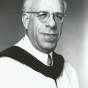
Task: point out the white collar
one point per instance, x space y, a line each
25 44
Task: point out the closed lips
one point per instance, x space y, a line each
49 34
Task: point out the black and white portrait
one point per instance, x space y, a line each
43 44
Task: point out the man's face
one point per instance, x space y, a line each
44 36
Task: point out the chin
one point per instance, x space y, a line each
46 47
50 48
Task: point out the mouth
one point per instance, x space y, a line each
47 34
50 37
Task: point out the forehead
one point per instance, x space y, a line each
48 5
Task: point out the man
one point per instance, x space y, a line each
32 62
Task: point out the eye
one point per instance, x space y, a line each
58 16
42 15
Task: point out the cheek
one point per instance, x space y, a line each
33 28
37 28
59 27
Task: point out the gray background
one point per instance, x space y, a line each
73 43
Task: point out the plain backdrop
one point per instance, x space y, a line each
73 44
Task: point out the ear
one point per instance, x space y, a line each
25 20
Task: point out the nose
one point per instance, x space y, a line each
51 22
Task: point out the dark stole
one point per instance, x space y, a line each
24 57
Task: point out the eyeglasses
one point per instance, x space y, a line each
43 16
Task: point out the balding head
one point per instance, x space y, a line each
43 26
29 4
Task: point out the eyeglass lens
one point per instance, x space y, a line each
44 16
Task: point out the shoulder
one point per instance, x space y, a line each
9 66
7 62
71 74
69 69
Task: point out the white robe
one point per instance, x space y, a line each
14 74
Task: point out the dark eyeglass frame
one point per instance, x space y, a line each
58 17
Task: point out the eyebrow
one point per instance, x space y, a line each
43 12
61 13
49 12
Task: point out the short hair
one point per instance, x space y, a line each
27 5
